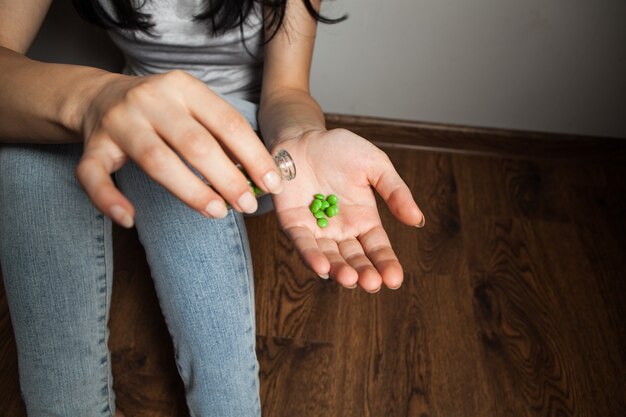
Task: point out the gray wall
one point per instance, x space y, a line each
547 65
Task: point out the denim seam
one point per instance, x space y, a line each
242 247
250 299
106 312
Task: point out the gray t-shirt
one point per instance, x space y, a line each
230 64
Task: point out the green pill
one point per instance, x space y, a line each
257 190
320 196
325 205
332 199
322 222
319 214
316 205
331 211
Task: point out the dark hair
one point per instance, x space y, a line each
220 15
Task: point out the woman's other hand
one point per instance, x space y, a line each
354 247
149 120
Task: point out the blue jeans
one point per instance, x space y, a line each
56 258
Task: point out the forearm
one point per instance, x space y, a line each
42 103
287 114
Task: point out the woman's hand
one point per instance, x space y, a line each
151 119
353 248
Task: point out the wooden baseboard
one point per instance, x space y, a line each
479 141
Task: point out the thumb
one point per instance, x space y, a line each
397 195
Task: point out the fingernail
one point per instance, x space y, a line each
422 222
352 287
374 292
121 216
323 276
273 182
216 208
247 202
395 288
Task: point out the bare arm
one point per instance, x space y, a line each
38 101
287 108
353 248
117 117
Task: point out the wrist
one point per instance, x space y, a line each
291 136
295 139
288 114
84 89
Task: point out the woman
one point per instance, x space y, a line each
81 146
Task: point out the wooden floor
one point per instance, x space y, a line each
513 302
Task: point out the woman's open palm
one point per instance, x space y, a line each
354 247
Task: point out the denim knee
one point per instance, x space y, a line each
56 257
202 273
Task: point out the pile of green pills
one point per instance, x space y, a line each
323 207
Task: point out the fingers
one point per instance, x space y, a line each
158 160
378 249
165 167
307 246
344 274
369 260
397 195
346 261
369 278
200 149
93 172
368 264
149 119
231 129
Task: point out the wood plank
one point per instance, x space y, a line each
536 294
515 307
291 300
511 187
10 398
601 231
297 377
396 341
512 305
145 378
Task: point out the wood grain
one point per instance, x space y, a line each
512 305
10 400
297 377
145 378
